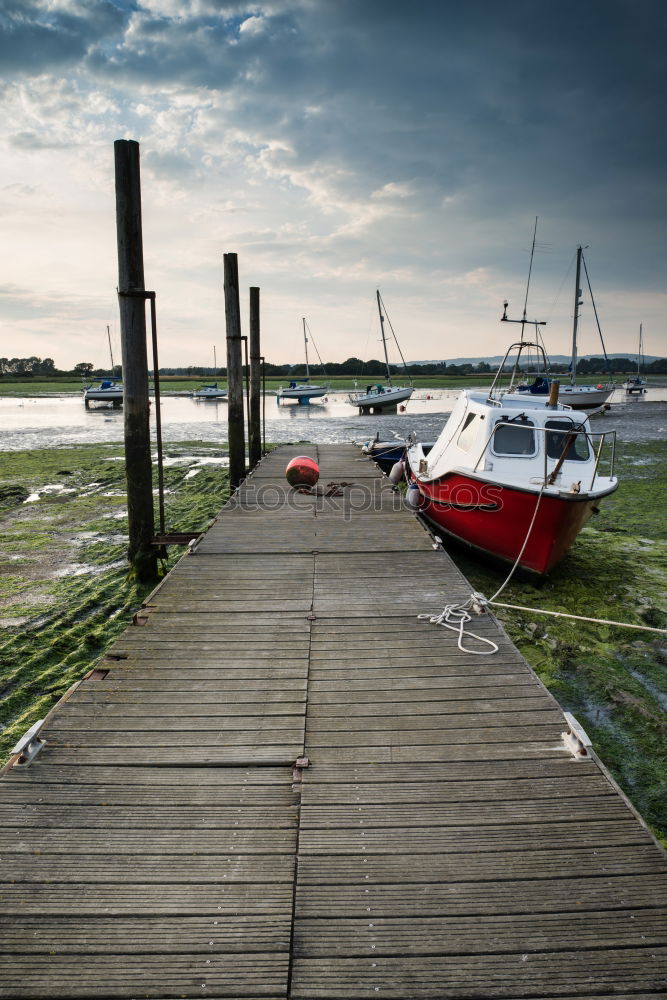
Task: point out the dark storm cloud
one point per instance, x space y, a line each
448 92
36 39
491 107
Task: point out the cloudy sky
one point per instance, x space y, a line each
338 146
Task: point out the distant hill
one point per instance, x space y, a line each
558 359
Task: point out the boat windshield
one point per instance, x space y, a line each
513 437
562 434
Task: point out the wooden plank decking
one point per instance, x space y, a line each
442 842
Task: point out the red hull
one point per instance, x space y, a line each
495 519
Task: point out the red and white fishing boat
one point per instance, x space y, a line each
515 477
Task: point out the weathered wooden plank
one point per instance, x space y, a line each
463 773
524 862
133 841
179 817
488 976
49 767
141 899
187 870
158 935
196 754
230 795
71 725
439 840
457 813
441 715
474 733
216 975
420 793
479 935
470 898
183 736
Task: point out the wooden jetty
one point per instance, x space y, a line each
280 783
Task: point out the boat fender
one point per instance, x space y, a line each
302 471
600 386
397 471
401 409
413 496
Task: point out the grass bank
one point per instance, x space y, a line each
176 384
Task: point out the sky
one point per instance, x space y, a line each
338 147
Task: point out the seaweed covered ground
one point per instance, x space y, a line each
65 595
65 591
613 680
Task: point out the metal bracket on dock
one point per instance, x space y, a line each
300 764
29 745
575 738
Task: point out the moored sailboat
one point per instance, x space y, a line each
379 397
105 390
579 397
637 384
303 392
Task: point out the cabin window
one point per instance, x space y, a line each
514 437
468 433
577 446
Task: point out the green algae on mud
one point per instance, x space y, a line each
65 590
613 680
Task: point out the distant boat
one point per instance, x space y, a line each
303 392
637 384
378 397
579 397
210 391
108 390
387 453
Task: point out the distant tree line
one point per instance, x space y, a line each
354 367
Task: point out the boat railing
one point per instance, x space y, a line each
596 441
504 369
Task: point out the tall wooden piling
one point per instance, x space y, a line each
254 415
235 420
131 298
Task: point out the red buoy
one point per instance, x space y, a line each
302 471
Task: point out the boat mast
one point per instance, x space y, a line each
305 344
641 349
577 303
110 351
384 339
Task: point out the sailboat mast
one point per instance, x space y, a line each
577 303
305 344
384 339
641 350
110 351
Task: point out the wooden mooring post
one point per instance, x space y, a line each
132 305
254 416
235 418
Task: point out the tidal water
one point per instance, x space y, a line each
50 421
